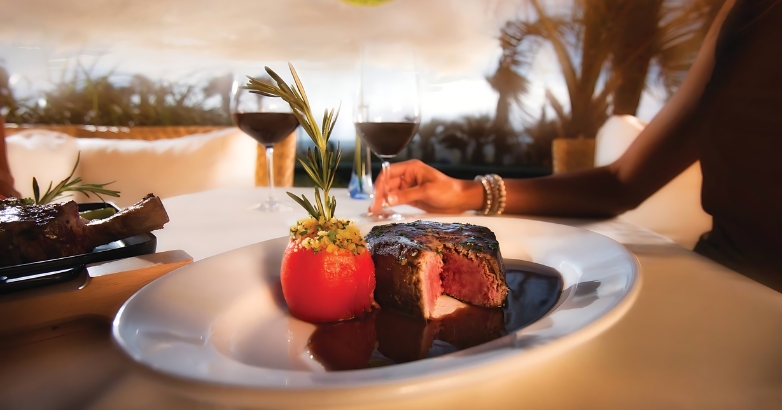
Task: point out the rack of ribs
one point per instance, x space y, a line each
32 233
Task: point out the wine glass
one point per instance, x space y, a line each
268 120
387 112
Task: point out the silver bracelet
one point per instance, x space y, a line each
499 186
494 194
488 196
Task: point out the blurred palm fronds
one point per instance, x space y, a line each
605 50
81 96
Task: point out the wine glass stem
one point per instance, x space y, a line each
270 171
387 176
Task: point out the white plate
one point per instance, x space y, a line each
222 320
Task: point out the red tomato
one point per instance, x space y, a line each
327 287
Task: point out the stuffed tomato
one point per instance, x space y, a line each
327 274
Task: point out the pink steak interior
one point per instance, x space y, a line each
431 265
469 280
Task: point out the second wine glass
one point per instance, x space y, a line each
268 121
387 112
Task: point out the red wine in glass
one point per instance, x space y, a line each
387 139
268 121
268 128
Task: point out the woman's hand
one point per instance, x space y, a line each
417 184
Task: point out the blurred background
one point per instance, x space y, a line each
501 79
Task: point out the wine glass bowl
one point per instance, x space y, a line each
387 139
387 112
268 121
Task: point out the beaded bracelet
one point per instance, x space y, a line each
487 194
494 194
501 196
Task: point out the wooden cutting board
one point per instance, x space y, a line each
96 294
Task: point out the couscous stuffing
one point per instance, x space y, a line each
333 236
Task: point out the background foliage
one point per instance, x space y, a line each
82 97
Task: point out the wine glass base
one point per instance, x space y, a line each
361 195
385 215
271 206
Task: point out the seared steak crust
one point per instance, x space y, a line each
397 250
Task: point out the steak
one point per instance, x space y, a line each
32 233
417 262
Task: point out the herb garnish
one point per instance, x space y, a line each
66 185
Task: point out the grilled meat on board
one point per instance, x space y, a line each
32 233
417 262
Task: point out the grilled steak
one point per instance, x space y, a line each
416 262
31 233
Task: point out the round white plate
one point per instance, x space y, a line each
223 320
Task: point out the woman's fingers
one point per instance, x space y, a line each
401 175
406 167
407 196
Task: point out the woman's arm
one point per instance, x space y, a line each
660 152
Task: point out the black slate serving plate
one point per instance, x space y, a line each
27 275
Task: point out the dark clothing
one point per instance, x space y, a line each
739 137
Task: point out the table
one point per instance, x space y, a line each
698 336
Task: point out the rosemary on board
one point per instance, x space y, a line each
321 165
66 185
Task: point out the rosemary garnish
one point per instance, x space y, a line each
66 185
321 165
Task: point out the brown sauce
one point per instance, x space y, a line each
384 337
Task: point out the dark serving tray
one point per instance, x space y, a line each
27 275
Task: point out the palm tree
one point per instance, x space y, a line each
681 30
604 49
518 43
517 39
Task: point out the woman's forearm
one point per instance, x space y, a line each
591 193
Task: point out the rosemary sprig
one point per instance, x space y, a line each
320 165
66 185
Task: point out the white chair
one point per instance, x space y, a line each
165 167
